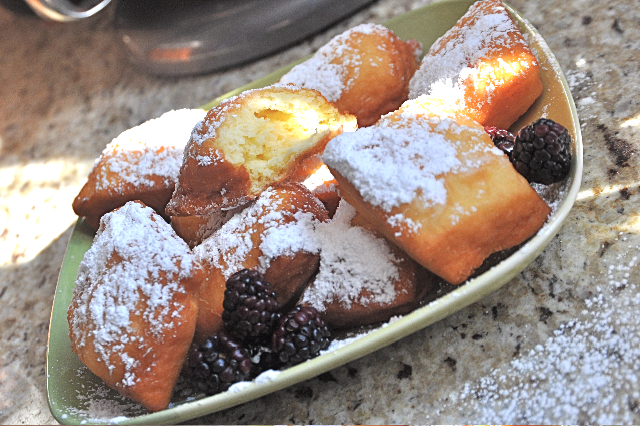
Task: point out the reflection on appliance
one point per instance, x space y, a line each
181 37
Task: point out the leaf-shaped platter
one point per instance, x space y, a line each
76 396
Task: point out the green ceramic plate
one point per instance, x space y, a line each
77 396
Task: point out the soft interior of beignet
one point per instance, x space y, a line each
250 142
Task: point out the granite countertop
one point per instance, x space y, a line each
560 343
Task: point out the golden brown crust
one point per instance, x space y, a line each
195 229
289 276
455 252
203 189
315 176
499 86
142 163
211 296
154 387
381 83
92 203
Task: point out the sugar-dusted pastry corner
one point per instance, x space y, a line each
483 65
250 142
432 182
364 71
133 313
142 163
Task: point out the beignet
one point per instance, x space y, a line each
364 71
316 177
142 163
250 142
195 229
362 278
134 307
274 236
432 181
482 65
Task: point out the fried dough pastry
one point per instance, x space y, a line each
250 142
362 278
142 163
274 235
364 71
195 229
482 65
433 183
134 307
316 177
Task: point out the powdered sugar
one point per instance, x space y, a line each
290 238
355 265
264 377
326 70
207 128
275 231
152 149
353 261
109 292
451 62
586 372
391 166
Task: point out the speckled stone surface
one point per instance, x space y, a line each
560 343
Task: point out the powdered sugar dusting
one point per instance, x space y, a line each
326 70
355 265
283 232
154 148
450 62
391 165
584 373
353 261
109 292
207 128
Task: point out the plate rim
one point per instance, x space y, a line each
463 295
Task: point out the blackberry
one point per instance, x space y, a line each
542 152
300 336
250 306
264 360
501 138
217 363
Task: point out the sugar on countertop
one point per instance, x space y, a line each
587 371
